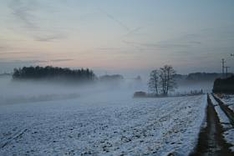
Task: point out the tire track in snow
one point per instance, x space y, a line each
229 113
13 137
211 141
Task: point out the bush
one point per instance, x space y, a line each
139 94
224 85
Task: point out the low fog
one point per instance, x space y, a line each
28 91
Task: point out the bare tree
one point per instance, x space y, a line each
153 82
167 79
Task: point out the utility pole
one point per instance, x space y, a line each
226 70
223 61
232 55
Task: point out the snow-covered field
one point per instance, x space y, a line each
78 126
99 123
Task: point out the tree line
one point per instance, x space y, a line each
50 72
162 80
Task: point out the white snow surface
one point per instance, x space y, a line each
229 134
213 101
222 117
229 100
229 137
229 131
97 125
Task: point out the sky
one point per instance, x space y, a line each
131 37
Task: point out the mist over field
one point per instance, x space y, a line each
40 117
27 91
54 116
116 77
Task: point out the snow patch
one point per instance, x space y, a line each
229 137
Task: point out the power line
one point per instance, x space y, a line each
226 70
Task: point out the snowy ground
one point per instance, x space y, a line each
45 119
225 122
229 100
97 125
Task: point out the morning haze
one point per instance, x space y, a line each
115 36
117 77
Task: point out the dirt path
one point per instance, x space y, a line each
211 141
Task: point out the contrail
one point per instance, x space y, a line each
115 19
120 23
24 12
132 31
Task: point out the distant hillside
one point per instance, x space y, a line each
115 77
5 74
200 76
197 81
111 78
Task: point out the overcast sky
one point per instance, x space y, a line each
117 36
